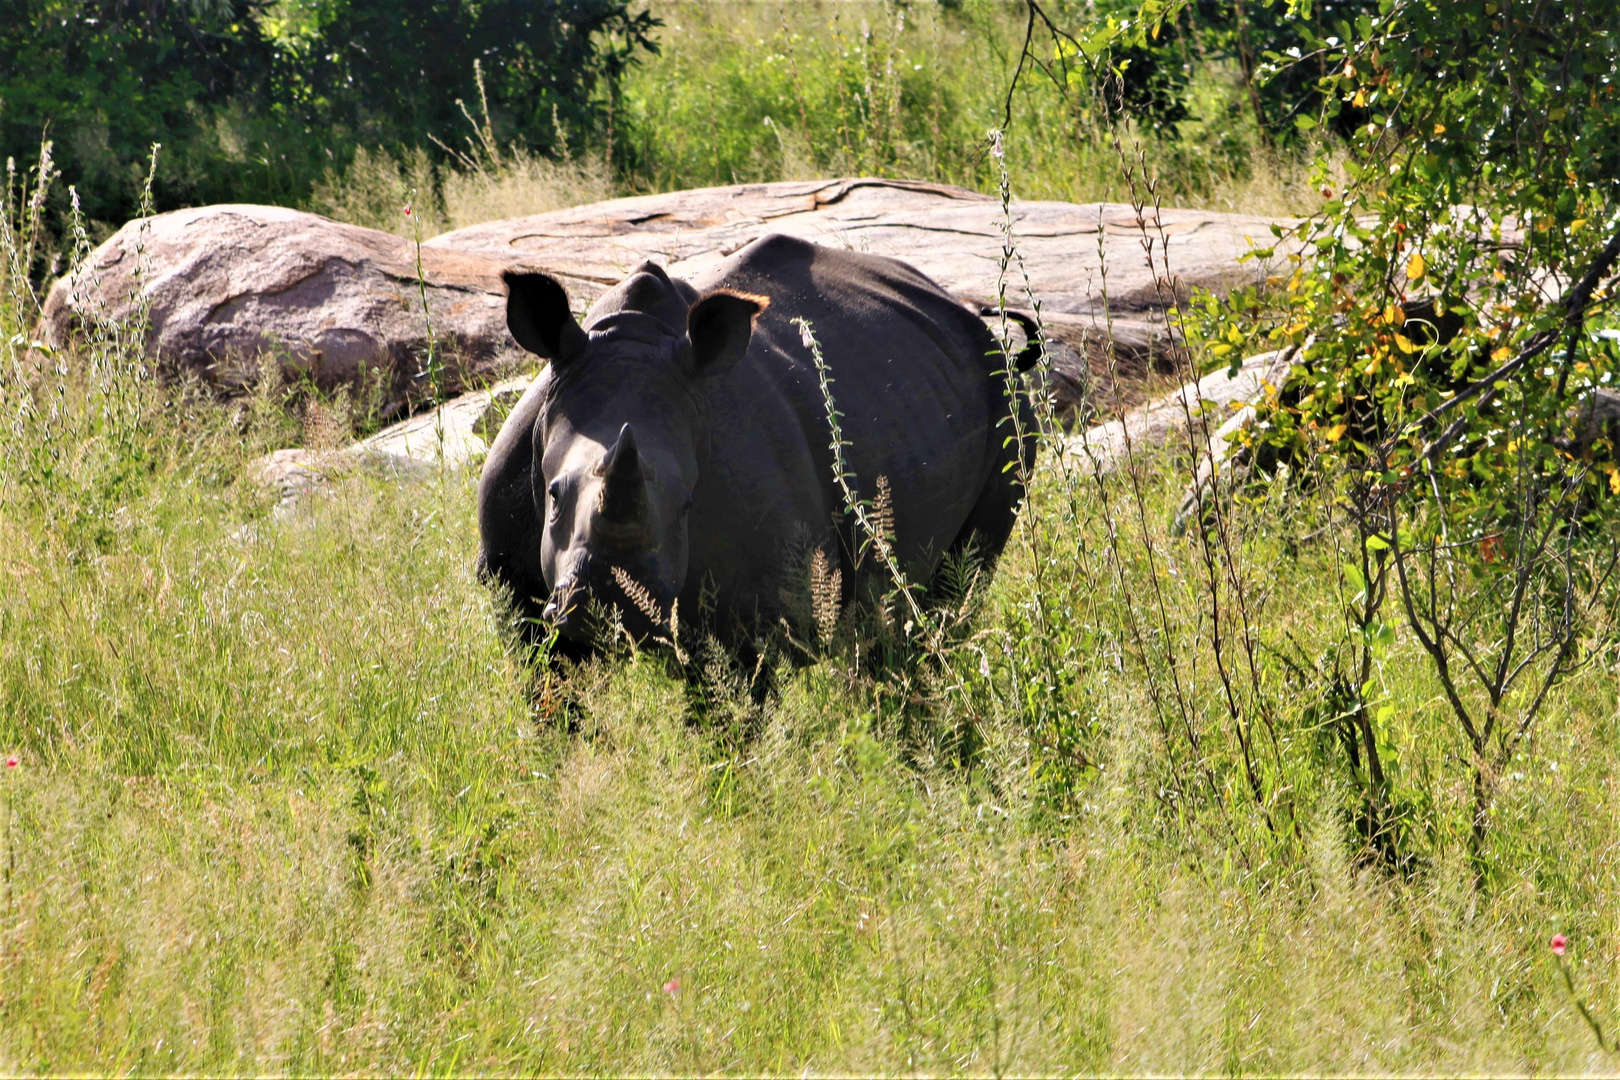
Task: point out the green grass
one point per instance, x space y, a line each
289 801
745 91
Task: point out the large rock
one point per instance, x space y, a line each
950 233
227 286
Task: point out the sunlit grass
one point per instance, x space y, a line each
288 800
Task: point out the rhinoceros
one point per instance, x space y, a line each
675 453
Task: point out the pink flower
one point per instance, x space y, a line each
12 762
407 209
673 985
1559 944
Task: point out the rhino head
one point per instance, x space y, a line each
620 439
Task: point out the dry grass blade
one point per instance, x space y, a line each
826 594
883 510
638 595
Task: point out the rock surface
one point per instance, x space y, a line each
454 434
228 286
225 287
1199 411
949 233
1596 417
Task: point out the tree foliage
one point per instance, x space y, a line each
252 99
398 74
107 78
1455 304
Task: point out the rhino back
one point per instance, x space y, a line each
911 378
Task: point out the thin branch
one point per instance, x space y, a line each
1575 305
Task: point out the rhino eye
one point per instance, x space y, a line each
554 494
687 505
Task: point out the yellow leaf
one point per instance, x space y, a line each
1360 99
1577 225
1336 432
1394 315
1415 266
1404 343
1439 129
1501 354
1614 480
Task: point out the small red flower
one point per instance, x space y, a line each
12 762
407 209
1559 944
673 985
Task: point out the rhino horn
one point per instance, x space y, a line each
624 485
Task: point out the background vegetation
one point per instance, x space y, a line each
255 99
1255 796
341 105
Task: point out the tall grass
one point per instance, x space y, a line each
289 798
288 801
508 183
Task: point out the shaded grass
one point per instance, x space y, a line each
289 801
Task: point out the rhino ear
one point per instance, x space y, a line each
719 326
537 314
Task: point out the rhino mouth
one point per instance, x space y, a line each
612 600
564 608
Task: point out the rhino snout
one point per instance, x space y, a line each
562 608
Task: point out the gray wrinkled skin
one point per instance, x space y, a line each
681 437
